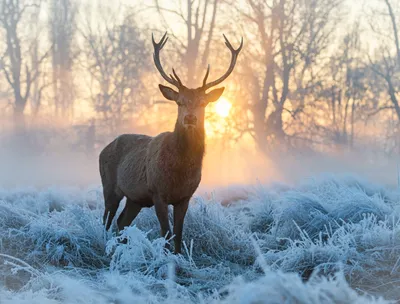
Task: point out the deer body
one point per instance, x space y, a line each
165 169
138 166
122 169
175 172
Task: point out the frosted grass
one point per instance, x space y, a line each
330 240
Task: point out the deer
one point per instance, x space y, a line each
165 169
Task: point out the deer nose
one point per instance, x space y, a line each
190 119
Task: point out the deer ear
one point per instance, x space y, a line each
214 94
168 93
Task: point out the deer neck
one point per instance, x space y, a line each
190 143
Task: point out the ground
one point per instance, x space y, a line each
326 240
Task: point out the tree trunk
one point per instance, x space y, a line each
395 30
19 121
20 136
273 139
275 126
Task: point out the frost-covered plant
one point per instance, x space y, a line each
277 287
303 232
133 251
216 233
72 237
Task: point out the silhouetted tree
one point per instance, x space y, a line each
116 59
62 29
21 61
289 40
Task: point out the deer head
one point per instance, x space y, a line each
191 102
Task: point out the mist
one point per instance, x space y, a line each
300 181
237 166
322 100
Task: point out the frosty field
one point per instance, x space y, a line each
326 240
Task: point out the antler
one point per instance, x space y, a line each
235 54
156 56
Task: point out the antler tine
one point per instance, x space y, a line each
162 42
235 54
156 56
206 76
176 76
229 45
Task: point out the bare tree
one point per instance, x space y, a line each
115 56
19 72
62 29
394 25
343 94
386 63
291 37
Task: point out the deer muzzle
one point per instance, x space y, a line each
190 119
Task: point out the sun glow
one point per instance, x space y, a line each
217 117
223 107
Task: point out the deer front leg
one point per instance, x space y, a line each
179 217
162 215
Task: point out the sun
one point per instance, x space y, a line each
223 107
218 115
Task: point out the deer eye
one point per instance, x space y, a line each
200 102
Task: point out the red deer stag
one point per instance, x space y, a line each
165 169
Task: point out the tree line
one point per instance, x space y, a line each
311 76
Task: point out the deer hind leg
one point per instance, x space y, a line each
111 201
129 213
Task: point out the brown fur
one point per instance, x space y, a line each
160 170
165 169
